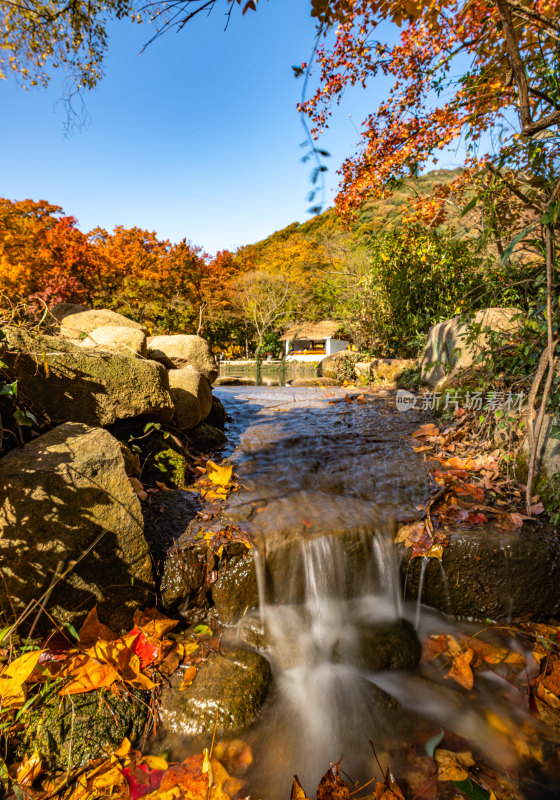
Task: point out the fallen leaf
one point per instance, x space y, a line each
453 766
219 475
429 429
13 677
537 509
154 623
433 647
93 629
461 671
331 785
85 674
29 770
188 677
141 493
297 790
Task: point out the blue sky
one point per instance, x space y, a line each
196 138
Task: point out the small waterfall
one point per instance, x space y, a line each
328 708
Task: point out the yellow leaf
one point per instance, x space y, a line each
219 475
12 679
93 629
452 766
29 770
155 762
461 671
188 677
154 623
86 674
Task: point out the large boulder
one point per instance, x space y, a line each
227 693
490 573
383 369
82 385
448 349
339 366
183 350
61 310
71 526
119 339
192 396
76 325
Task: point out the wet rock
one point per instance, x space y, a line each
75 325
182 350
205 438
388 645
192 396
166 517
298 382
448 350
232 683
121 339
486 573
217 417
235 589
84 385
184 590
67 506
67 732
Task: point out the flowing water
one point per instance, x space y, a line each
324 482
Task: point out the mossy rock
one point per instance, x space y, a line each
227 692
170 466
67 732
206 438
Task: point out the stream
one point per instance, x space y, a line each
324 483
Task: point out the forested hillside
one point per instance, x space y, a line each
388 274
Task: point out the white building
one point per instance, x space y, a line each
312 341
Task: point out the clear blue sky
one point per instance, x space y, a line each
196 138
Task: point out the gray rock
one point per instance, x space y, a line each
487 573
83 385
192 396
67 508
182 350
119 339
75 325
448 351
231 684
68 732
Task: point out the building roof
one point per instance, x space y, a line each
326 329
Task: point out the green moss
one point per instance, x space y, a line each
68 732
168 466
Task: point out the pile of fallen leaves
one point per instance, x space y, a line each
129 775
99 659
471 490
216 482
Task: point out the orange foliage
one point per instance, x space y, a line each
434 99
